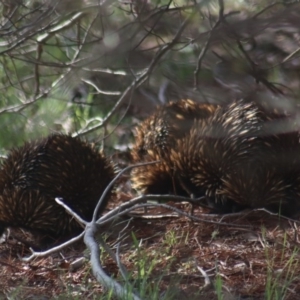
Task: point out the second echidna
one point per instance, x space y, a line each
236 161
154 139
56 166
170 122
270 177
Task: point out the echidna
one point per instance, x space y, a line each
56 166
270 176
170 122
233 159
202 158
155 138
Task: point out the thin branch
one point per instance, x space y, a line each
141 199
141 78
109 187
207 43
115 257
100 275
89 82
82 222
207 281
54 249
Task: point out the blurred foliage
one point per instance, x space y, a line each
67 65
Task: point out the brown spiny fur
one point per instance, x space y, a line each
170 122
271 175
233 157
204 156
56 166
154 139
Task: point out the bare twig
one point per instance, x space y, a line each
100 275
115 257
141 78
109 187
207 282
54 249
207 43
71 212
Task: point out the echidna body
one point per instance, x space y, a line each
170 122
155 138
270 178
56 166
262 187
234 158
204 156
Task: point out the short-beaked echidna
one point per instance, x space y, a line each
270 177
233 159
56 166
154 139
